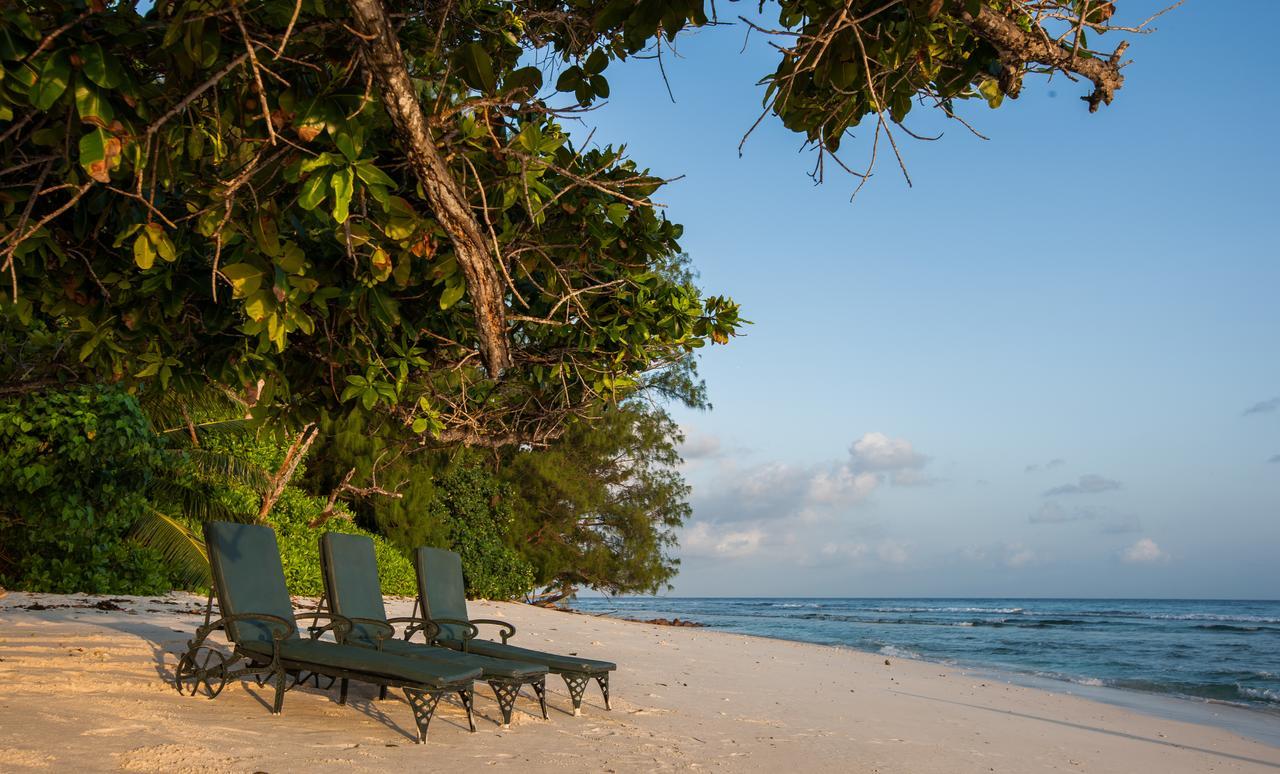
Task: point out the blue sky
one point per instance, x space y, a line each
1026 375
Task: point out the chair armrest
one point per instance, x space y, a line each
471 631
383 629
508 630
280 628
340 625
430 629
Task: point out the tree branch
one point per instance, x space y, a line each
383 56
1021 46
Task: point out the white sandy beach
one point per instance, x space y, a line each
87 689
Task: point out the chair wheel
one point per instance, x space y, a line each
203 668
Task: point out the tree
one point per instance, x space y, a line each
600 506
328 206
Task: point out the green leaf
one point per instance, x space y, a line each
91 107
292 259
454 289
161 242
54 72
528 78
313 191
144 254
598 60
245 278
373 176
347 144
343 183
99 154
265 235
100 67
617 213
477 67
259 305
570 79
600 87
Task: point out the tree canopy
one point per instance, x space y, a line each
318 205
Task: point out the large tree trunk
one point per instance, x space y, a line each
383 56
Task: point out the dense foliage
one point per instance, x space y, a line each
599 508
74 469
94 499
299 519
329 205
476 511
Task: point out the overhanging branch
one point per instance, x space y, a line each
382 55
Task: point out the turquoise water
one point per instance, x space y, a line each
1226 651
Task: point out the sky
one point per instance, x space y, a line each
1047 368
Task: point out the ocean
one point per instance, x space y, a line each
1210 650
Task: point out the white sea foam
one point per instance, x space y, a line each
896 652
1264 694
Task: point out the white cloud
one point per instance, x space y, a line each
892 552
704 539
699 446
1013 555
1018 555
878 452
1145 551
841 485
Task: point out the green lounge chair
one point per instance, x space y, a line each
442 598
257 617
353 590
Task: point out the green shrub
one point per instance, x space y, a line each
476 509
292 515
300 546
73 469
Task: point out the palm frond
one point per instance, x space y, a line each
175 541
194 500
176 411
221 466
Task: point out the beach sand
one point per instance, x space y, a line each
87 689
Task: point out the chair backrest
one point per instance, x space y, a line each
247 577
441 590
351 582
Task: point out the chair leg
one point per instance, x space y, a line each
468 701
604 688
577 684
505 693
382 693
342 691
540 688
423 704
278 705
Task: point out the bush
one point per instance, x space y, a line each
74 466
291 517
476 509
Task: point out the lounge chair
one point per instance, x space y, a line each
442 599
353 589
257 617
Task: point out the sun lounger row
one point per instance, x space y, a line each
269 645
